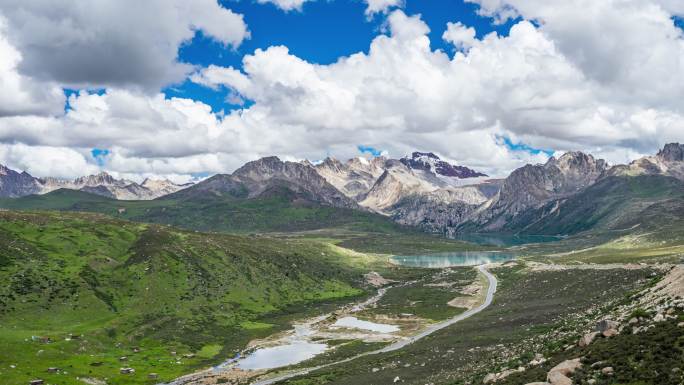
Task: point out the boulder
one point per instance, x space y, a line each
610 333
538 383
659 318
558 378
567 367
606 324
559 374
587 339
608 371
489 378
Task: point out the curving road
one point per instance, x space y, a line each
400 344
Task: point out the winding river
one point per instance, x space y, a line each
400 344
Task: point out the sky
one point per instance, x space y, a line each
183 89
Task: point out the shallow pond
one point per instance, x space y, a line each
460 258
283 355
355 323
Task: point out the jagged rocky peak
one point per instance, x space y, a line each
271 176
102 178
162 187
272 167
578 169
672 152
428 161
668 161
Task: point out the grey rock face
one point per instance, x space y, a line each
270 177
14 184
533 185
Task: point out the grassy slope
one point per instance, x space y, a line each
354 229
611 204
210 213
123 284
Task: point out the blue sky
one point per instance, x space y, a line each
320 33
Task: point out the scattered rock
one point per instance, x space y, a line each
659 318
587 339
567 367
558 375
375 279
591 381
606 324
557 378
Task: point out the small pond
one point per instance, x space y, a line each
283 355
460 258
355 323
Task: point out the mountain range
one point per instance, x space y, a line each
420 190
15 184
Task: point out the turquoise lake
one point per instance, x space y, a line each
460 258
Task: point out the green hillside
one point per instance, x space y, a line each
119 285
279 211
645 202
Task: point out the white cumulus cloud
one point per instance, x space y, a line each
533 86
113 43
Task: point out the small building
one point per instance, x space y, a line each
123 358
136 349
189 355
52 370
153 376
36 382
127 370
121 210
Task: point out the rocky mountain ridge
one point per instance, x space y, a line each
14 184
268 177
414 191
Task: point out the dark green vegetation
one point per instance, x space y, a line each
280 213
426 297
654 356
217 213
614 203
119 285
528 306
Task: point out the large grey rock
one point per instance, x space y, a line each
560 374
587 339
533 185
